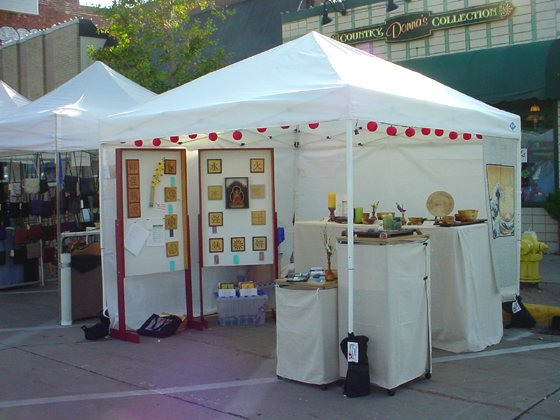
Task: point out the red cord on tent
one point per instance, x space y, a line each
313 126
371 126
138 143
192 136
261 130
453 135
467 136
410 132
438 132
392 131
174 139
156 142
212 137
237 135
426 131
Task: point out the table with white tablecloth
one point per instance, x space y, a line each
466 305
391 307
307 333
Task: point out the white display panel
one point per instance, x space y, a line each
237 207
150 247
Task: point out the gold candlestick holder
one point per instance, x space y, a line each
332 217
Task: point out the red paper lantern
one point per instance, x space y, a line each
138 143
313 126
284 127
156 141
479 136
174 139
467 136
371 126
192 136
237 135
212 137
392 131
261 130
426 131
438 132
453 135
410 132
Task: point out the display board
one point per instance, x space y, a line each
154 211
237 209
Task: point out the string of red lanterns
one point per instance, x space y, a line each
371 126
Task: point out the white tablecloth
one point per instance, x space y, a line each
391 308
307 335
466 304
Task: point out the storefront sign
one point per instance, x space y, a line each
422 24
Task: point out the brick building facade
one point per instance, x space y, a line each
53 50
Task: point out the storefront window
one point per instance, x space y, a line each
538 142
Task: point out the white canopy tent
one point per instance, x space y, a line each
10 100
329 111
67 118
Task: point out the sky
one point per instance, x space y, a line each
103 3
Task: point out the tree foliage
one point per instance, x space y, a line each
161 44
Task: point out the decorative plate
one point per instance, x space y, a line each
440 203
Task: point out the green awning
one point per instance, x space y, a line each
498 74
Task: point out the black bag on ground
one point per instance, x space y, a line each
99 330
521 318
160 326
356 383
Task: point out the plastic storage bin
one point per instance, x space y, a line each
239 311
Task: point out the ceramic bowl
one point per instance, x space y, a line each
416 220
467 215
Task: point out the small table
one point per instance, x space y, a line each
307 331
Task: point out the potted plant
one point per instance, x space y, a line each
552 207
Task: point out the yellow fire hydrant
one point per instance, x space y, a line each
532 252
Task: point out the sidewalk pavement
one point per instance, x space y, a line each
51 372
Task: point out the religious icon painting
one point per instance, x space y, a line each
258 218
215 218
215 192
216 244
237 193
257 191
257 166
238 244
172 249
259 243
170 194
170 166
171 221
214 166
